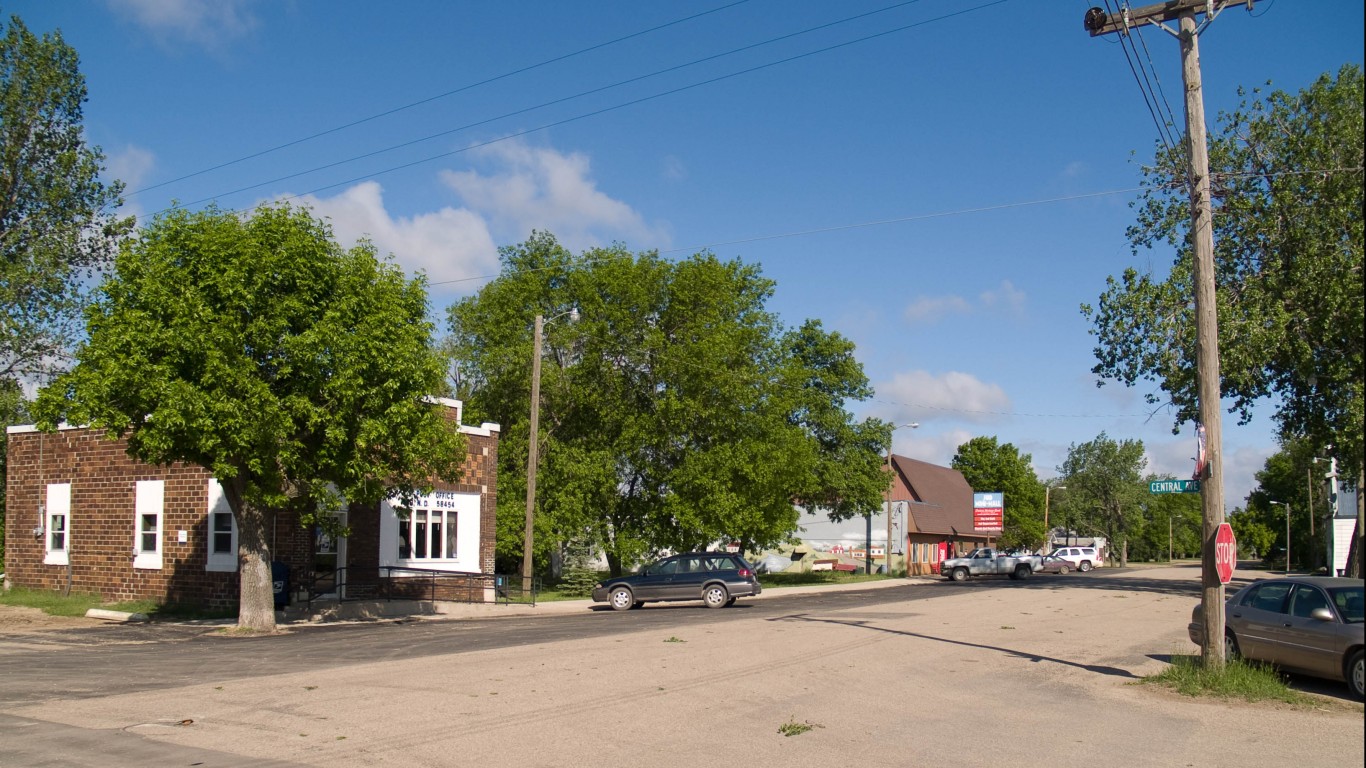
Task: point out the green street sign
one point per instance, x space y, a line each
1174 486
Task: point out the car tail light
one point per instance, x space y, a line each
745 573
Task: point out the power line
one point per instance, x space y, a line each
844 227
613 108
552 102
429 99
1149 100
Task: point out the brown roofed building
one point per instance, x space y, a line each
938 503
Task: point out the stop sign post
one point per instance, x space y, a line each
1225 552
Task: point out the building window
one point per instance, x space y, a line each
148 505
222 532
57 543
427 534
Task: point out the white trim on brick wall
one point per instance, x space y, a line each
223 561
57 520
149 501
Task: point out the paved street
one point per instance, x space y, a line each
912 673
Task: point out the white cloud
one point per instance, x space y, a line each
131 166
933 447
539 188
932 309
449 244
208 23
674 170
1007 296
923 396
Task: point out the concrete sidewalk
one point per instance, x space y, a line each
371 610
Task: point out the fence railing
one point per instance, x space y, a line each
404 583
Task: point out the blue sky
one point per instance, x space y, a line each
942 181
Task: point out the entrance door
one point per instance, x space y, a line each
329 561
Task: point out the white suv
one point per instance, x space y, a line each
1084 558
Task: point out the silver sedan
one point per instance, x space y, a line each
1308 624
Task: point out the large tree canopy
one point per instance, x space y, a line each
56 222
1287 180
988 466
258 348
676 413
1104 479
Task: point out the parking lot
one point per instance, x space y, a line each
912 673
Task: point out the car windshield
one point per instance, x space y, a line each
1349 603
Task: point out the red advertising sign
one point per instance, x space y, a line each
988 511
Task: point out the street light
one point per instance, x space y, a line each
1287 535
533 449
1048 489
887 554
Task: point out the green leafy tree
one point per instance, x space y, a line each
258 348
1288 182
1104 477
1286 478
988 465
1170 523
1253 534
675 414
56 221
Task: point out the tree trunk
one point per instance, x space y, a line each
256 601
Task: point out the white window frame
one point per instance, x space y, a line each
149 500
58 507
223 562
467 514
425 516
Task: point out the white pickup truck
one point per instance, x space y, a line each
987 561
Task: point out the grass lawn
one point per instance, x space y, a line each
1243 680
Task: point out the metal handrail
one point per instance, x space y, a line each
505 589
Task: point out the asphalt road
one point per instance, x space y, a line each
911 673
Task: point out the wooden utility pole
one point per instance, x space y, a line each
1098 22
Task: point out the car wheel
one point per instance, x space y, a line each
621 599
1231 652
1356 675
959 574
1063 569
1085 566
716 596
1023 572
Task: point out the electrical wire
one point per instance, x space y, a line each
594 113
553 102
841 228
429 99
1148 99
1160 95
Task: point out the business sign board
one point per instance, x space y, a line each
988 511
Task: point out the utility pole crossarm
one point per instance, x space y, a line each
1099 22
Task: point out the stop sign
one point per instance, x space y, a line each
1225 552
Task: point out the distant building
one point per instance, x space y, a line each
932 519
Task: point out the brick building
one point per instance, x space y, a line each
83 515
